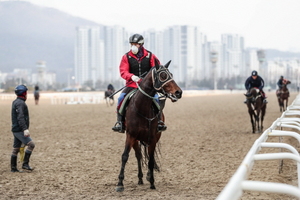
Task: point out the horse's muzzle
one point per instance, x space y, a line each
174 97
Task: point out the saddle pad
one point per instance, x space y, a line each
125 102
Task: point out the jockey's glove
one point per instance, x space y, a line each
26 133
135 78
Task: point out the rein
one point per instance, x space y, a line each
158 84
144 93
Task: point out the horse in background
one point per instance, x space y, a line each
256 109
283 95
141 121
109 98
36 95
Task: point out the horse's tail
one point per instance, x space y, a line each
145 160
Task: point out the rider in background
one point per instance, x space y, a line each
36 94
111 88
255 81
135 63
282 81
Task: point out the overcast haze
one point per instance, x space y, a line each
263 23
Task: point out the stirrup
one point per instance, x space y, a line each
118 127
265 101
161 126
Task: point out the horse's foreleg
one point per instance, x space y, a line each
125 156
138 156
263 112
252 121
150 174
257 121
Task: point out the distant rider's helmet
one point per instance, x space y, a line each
20 90
254 73
136 38
281 77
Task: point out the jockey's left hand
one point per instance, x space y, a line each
135 78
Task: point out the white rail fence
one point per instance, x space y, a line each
65 97
239 181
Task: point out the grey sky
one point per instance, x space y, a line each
263 23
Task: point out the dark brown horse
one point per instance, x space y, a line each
256 109
142 120
109 98
283 96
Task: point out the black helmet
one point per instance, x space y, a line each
254 73
136 38
20 89
281 76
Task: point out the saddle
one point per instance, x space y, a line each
126 100
249 95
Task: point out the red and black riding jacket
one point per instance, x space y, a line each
130 65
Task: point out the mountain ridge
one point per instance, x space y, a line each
29 33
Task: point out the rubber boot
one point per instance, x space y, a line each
119 125
26 161
161 125
13 163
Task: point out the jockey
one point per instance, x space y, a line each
282 81
135 63
255 81
110 87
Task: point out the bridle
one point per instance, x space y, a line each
160 77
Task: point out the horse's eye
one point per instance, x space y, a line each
163 76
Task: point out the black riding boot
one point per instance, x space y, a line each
119 125
26 161
161 125
13 164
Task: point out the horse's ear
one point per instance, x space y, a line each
156 64
168 63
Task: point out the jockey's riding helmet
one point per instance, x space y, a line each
254 73
136 38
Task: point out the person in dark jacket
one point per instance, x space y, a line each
20 126
280 83
111 88
255 81
135 63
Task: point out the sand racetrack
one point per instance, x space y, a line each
77 156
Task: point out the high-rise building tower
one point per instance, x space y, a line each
233 63
184 46
89 58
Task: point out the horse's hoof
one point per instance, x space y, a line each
152 187
119 188
140 182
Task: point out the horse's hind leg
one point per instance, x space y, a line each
125 156
138 156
